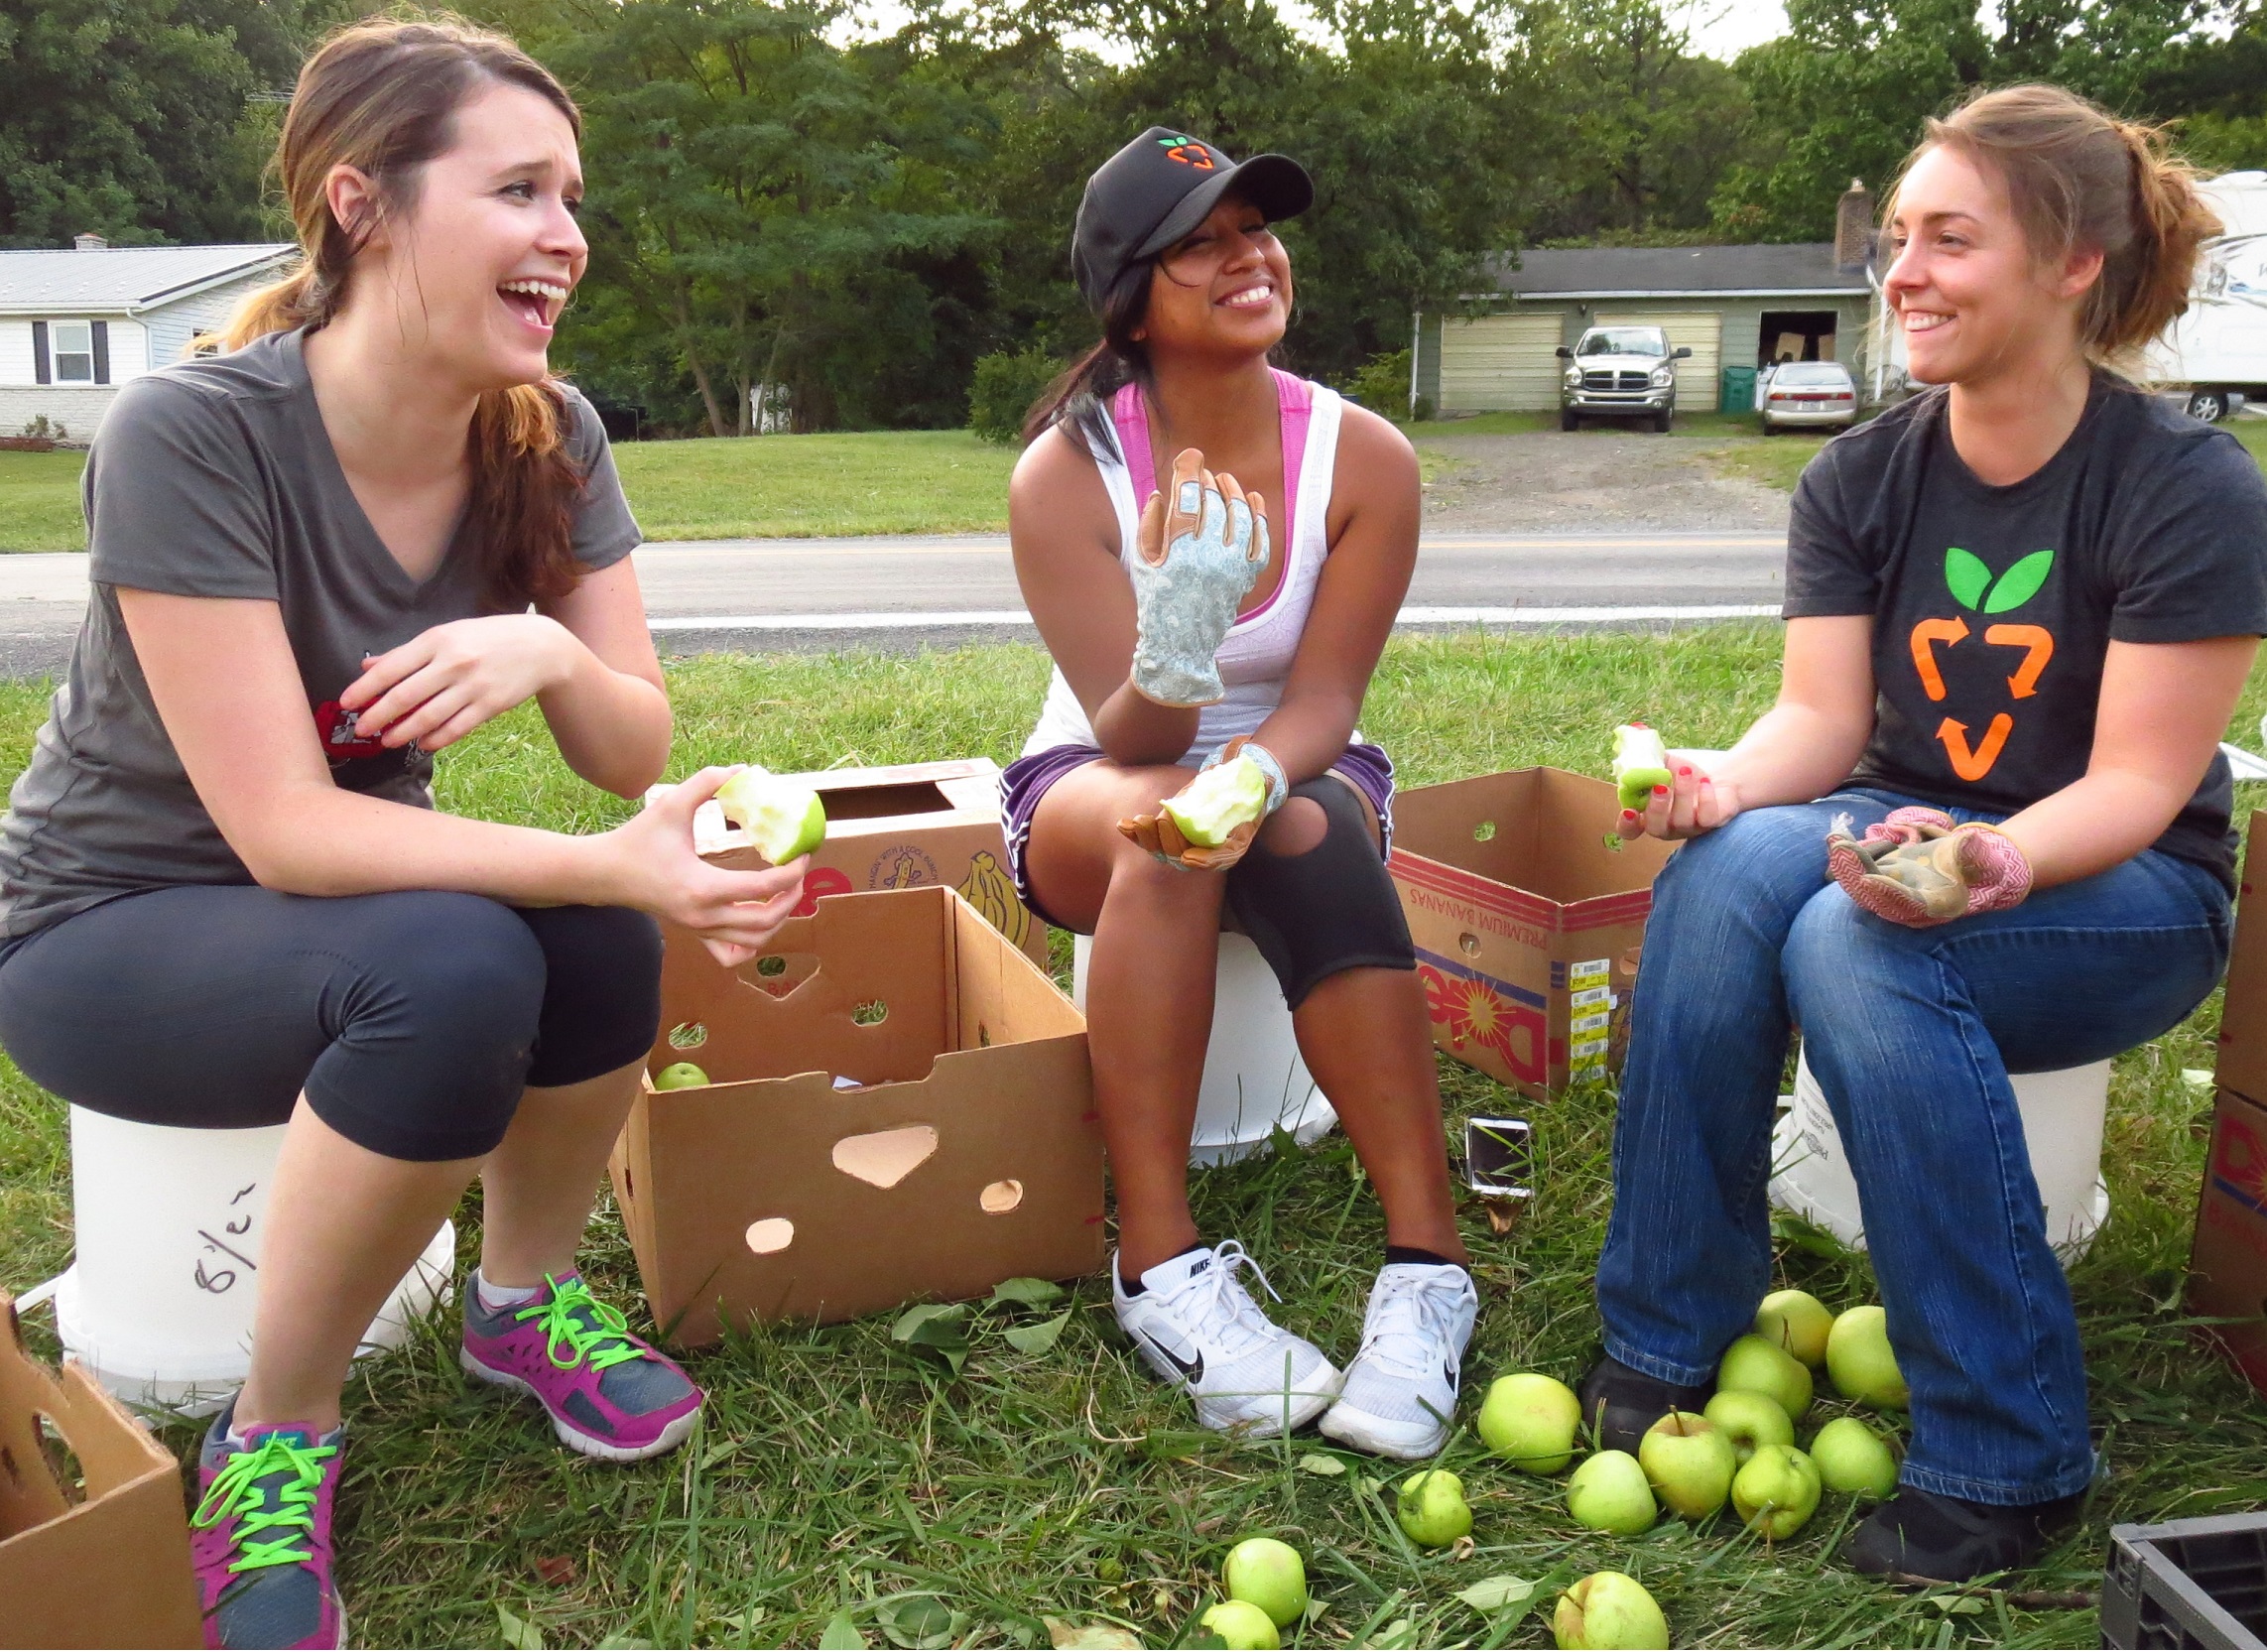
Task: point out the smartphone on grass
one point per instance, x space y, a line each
1499 1158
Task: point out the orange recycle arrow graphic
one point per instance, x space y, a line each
1974 765
1947 631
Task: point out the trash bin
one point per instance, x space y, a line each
1738 390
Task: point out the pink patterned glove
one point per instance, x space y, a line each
1918 868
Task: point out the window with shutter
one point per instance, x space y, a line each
71 346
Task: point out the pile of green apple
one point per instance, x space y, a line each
1742 1448
1266 1584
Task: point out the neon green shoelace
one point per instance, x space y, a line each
236 1492
602 1338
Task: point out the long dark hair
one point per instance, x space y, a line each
381 95
1077 401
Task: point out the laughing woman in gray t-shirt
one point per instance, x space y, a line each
370 527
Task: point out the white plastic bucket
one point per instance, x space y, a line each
1254 1078
159 1301
2062 1114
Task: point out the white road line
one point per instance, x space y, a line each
1408 616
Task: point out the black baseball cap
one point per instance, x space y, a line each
1160 187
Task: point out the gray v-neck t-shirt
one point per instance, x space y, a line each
214 477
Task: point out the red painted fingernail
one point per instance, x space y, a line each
1659 791
1684 771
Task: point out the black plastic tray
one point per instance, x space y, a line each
2187 1582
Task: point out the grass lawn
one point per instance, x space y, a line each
39 502
839 1472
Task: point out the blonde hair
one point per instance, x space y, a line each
2078 176
381 95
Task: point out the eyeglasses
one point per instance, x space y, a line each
1194 262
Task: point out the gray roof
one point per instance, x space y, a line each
1661 272
123 279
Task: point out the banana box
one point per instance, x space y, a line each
914 825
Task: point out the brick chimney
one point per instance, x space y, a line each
1854 227
90 243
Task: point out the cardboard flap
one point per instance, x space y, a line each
874 1007
1003 996
1544 833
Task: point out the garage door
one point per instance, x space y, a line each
1499 361
1701 332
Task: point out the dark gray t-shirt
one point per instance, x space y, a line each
1994 608
216 477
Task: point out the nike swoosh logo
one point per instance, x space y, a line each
1193 1369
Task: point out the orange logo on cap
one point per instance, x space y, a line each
1189 152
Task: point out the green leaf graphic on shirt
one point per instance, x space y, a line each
2020 584
1965 573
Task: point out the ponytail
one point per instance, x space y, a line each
2078 176
1077 400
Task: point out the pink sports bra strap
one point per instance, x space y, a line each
1294 403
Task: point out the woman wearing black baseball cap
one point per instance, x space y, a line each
1193 623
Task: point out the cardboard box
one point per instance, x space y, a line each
966 1153
2243 1062
102 1563
2227 1270
1528 913
912 827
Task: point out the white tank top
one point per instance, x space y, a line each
1255 659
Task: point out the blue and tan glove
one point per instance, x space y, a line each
1200 548
1160 834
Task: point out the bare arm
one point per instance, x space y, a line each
228 691
1802 748
2163 709
588 660
1064 534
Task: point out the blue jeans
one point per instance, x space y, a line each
1912 1034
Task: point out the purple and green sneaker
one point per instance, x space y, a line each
609 1394
260 1539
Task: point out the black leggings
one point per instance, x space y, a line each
412 1020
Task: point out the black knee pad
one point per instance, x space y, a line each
1332 908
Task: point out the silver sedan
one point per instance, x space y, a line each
1801 393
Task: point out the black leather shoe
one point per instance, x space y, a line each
1622 1404
1918 1537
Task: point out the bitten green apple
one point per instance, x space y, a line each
1225 797
1431 1508
1797 1321
1610 1493
1531 1420
1777 1491
680 1075
1749 1420
782 819
1763 1367
1691 1463
1861 1361
1268 1574
1852 1457
1609 1609
1244 1626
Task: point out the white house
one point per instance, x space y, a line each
74 325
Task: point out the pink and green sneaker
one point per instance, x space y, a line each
260 1539
609 1394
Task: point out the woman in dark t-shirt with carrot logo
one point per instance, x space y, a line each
2020 608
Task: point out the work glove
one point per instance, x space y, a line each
1918 868
1199 549
1161 836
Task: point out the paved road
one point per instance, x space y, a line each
903 592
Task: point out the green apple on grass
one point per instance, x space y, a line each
1797 1321
1268 1574
1777 1491
1531 1420
1609 1610
1689 1461
1749 1420
1242 1626
1225 797
1762 1367
1852 1459
680 1075
1610 1493
1431 1510
781 817
1861 1361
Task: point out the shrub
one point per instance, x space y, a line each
1382 385
1005 386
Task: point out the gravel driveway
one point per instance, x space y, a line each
1589 482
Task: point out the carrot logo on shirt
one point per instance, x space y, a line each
1975 587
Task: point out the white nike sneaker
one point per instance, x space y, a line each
1199 1330
1400 1393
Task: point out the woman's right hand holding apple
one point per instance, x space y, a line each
652 866
1694 801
